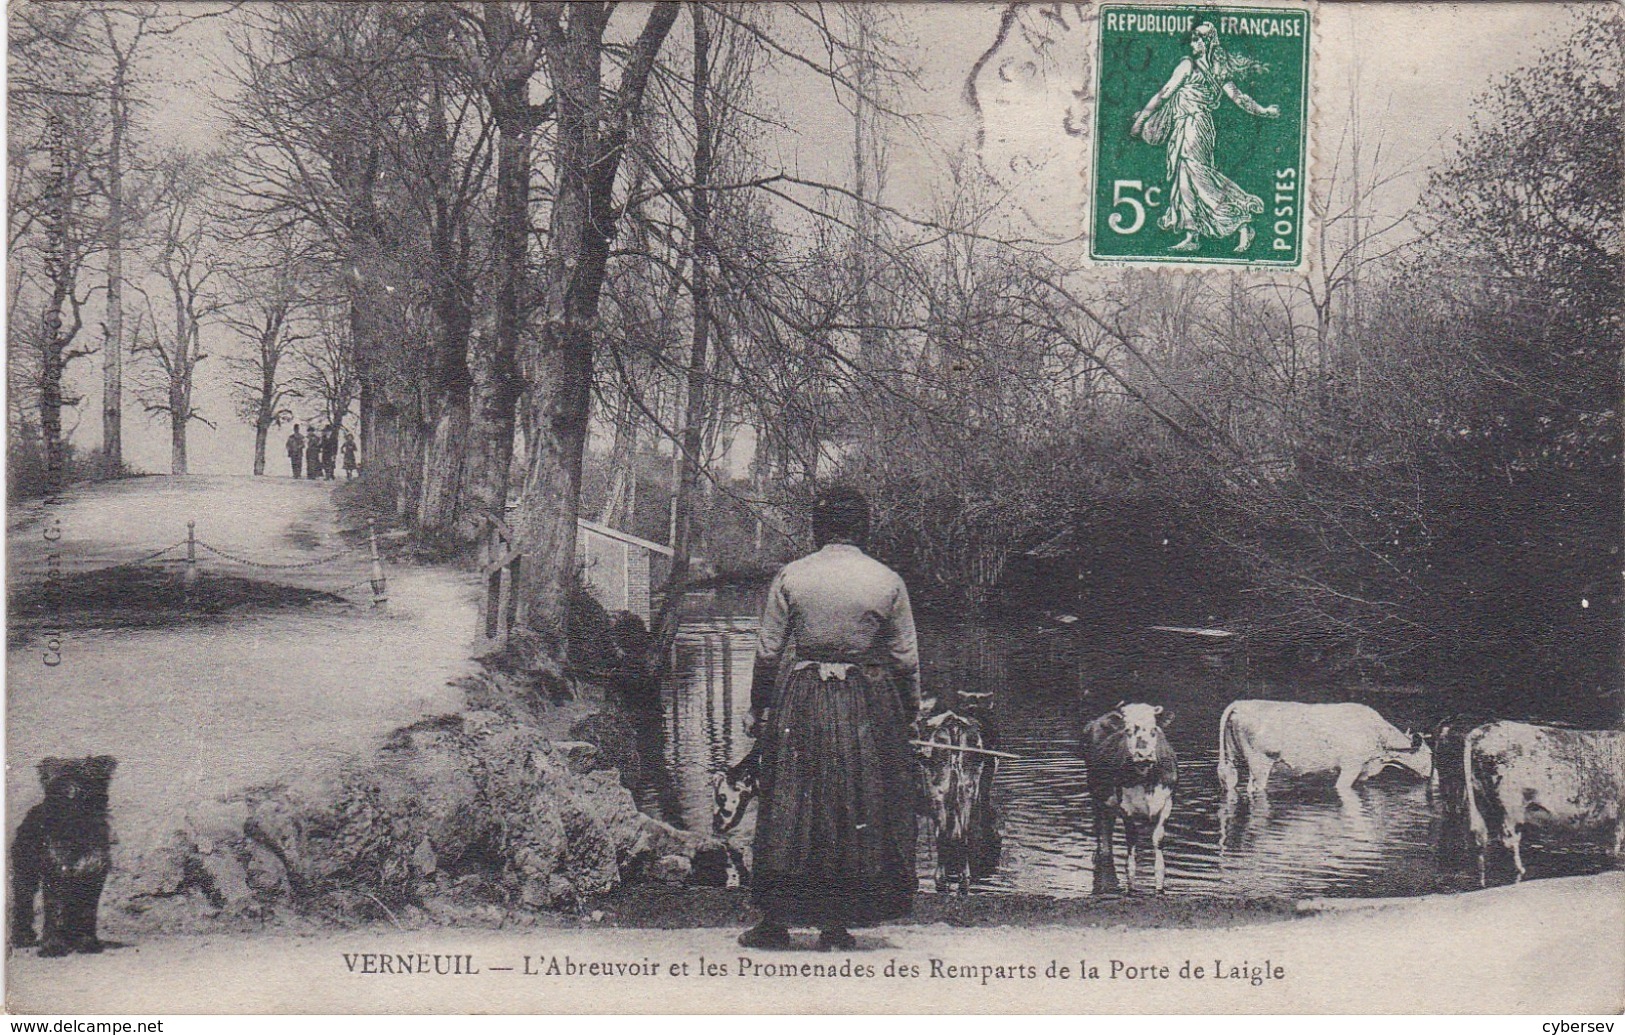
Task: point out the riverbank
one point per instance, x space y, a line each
306 784
1541 947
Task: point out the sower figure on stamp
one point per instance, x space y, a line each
1202 201
296 450
835 830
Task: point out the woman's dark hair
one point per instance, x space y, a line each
841 515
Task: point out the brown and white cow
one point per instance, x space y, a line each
1132 772
957 787
1518 774
1350 740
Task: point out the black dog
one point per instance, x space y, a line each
63 849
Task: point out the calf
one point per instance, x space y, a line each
958 786
1517 774
1132 772
1350 740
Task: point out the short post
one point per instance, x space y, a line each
191 554
380 585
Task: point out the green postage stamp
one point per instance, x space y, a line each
1201 135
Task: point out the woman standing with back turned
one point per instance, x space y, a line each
833 695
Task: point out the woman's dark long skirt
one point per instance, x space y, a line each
835 830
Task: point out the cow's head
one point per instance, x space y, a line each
732 792
945 728
1141 733
1418 759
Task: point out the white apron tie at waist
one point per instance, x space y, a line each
827 670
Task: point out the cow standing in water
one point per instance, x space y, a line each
1350 740
1517 774
958 789
1132 772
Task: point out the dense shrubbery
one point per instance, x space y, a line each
1416 473
27 474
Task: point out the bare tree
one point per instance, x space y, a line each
507 58
722 63
556 371
52 199
271 291
327 367
311 132
126 29
170 348
696 411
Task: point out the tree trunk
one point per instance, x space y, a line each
376 460
561 370
440 484
410 445
58 274
552 491
695 411
177 437
620 499
262 431
446 442
113 343
490 434
495 367
365 419
557 373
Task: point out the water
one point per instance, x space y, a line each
1048 680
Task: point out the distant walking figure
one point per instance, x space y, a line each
1202 201
330 451
296 451
349 455
313 454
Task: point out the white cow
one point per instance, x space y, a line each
1518 774
1350 740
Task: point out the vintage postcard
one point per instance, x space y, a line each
568 508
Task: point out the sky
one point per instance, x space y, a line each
1410 71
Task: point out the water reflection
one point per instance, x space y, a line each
1301 840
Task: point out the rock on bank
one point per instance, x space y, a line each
459 817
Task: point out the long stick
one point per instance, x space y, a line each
952 747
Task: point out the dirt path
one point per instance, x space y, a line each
1551 947
195 711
